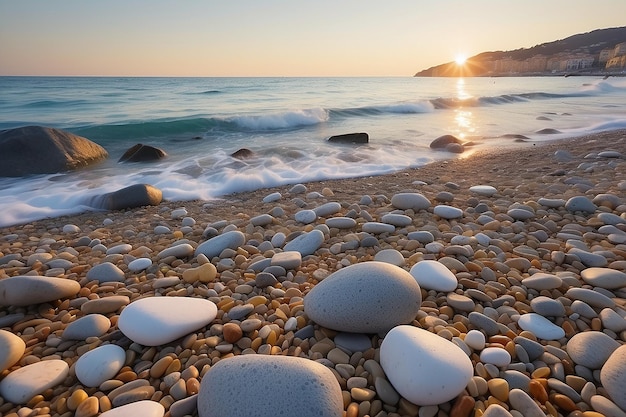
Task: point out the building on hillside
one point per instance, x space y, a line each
606 54
620 49
579 62
616 63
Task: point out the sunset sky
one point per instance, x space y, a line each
278 37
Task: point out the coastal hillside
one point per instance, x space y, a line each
599 51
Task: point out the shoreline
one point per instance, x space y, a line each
491 248
530 153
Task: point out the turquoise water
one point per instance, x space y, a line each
199 122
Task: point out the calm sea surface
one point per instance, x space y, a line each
200 122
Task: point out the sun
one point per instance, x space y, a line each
460 59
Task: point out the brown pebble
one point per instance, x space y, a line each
232 332
158 369
88 408
463 406
76 398
537 391
564 402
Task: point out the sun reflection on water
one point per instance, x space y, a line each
463 118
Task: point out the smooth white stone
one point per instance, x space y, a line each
156 321
414 201
105 272
143 408
475 339
377 227
179 213
120 249
12 348
99 365
423 367
613 376
287 259
540 326
591 349
27 290
399 220
306 243
24 383
604 277
71 228
551 202
612 321
162 230
87 326
520 214
181 250
214 246
305 216
496 356
341 222
327 209
542 281
261 220
580 203
270 198
139 264
391 256
272 385
367 297
486 190
433 275
448 212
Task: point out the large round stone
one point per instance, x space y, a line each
591 349
24 383
414 201
613 376
27 290
269 386
433 275
368 297
100 364
12 347
423 367
214 246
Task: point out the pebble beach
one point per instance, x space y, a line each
493 284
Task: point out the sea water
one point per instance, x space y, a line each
200 122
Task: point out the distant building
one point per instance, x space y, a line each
620 49
618 62
606 54
579 62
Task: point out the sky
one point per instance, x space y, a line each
278 37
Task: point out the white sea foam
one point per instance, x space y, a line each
282 120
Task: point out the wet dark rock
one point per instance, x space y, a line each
548 131
448 143
142 153
137 195
243 153
43 150
350 138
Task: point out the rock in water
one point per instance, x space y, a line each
142 153
24 383
137 195
613 376
29 289
243 153
442 142
156 321
368 297
44 150
423 367
350 138
268 386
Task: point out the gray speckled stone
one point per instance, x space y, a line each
580 203
547 306
268 386
105 272
87 326
591 297
591 349
542 281
613 376
368 297
27 290
327 209
414 201
214 246
306 243
482 322
604 277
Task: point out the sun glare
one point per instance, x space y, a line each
460 59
